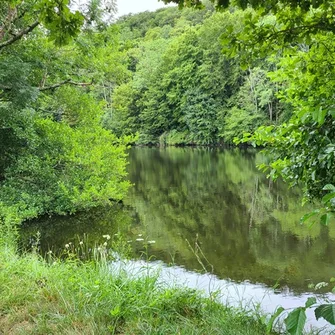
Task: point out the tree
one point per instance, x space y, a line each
55 156
22 17
302 147
183 86
269 5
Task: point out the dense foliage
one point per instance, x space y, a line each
298 38
182 89
303 147
54 154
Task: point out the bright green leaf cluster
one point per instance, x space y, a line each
55 155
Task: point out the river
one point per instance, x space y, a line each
209 213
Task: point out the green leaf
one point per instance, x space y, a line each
329 187
308 216
295 321
326 311
328 197
273 318
321 116
310 301
116 311
324 220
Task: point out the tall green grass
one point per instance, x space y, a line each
53 296
79 292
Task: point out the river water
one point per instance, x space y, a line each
215 219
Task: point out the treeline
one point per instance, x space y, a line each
181 88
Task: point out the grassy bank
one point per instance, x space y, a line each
71 297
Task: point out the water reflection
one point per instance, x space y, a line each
246 226
208 209
52 233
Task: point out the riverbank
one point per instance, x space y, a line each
72 297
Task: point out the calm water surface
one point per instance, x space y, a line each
246 226
208 210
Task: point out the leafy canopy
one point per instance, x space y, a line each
55 155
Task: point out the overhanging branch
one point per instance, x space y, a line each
20 35
51 87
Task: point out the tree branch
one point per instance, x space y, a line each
8 21
51 87
20 35
65 82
